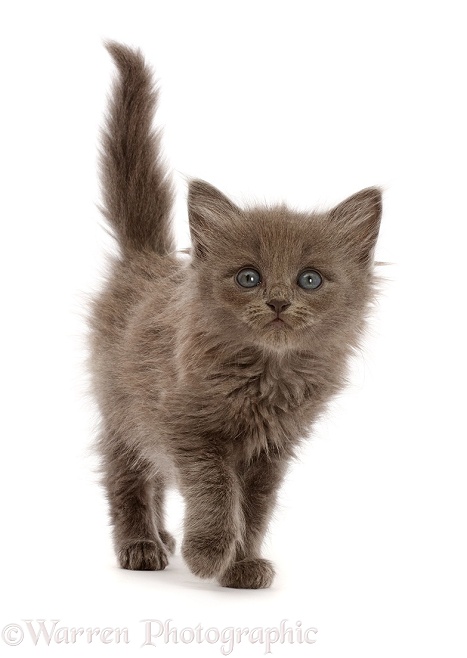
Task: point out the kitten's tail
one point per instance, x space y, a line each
136 191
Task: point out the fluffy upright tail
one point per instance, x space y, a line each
136 191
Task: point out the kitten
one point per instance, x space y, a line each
209 371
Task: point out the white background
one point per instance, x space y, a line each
302 101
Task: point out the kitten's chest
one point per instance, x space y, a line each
270 404
270 393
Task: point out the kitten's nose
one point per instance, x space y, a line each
278 305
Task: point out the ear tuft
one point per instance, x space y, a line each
208 212
358 219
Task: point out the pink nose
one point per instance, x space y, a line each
278 305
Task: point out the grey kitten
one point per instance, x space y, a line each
210 371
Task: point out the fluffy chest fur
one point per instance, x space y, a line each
267 403
253 400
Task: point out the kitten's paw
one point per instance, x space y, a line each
168 541
143 555
254 573
207 557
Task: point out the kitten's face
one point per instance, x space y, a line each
277 278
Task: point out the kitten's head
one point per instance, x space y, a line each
280 279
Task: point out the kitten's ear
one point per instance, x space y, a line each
208 214
358 219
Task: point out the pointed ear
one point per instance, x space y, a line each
208 212
358 219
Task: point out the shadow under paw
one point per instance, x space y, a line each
143 555
254 573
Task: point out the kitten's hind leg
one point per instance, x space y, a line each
130 491
159 487
260 479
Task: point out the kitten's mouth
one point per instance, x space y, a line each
278 322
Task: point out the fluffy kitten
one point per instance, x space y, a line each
209 371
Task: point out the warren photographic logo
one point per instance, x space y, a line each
155 633
42 632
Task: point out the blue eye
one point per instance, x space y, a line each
310 280
248 278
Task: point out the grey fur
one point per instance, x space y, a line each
196 384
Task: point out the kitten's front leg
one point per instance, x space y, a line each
213 518
261 479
